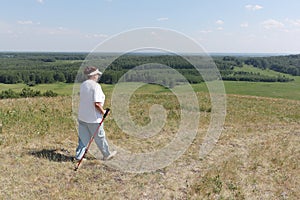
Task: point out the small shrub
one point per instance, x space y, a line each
31 83
7 94
50 93
27 92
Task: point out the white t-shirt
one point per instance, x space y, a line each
90 92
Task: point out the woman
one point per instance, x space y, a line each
90 115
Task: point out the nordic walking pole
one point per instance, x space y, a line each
92 138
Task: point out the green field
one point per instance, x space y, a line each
59 88
248 68
274 90
289 90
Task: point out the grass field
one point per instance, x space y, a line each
267 72
289 90
60 88
256 157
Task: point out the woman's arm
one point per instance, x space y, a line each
99 107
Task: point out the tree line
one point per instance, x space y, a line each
37 68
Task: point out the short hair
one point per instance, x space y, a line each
89 69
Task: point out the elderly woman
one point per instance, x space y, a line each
90 115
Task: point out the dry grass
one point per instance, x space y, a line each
257 156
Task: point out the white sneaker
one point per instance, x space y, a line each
111 155
83 159
80 154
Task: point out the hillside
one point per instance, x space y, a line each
256 157
289 64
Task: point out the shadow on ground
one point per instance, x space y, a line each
56 155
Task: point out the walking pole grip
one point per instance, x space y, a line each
106 112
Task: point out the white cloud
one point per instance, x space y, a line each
272 24
162 19
62 28
219 22
154 33
292 22
244 25
96 35
56 31
253 7
25 22
205 31
40 1
33 37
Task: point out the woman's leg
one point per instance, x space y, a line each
84 137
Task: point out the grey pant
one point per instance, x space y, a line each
85 133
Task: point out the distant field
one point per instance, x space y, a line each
274 90
289 90
60 88
247 68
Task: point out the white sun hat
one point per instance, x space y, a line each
95 72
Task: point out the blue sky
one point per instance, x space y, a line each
231 26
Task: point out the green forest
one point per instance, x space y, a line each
38 68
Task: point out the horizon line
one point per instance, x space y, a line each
208 53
